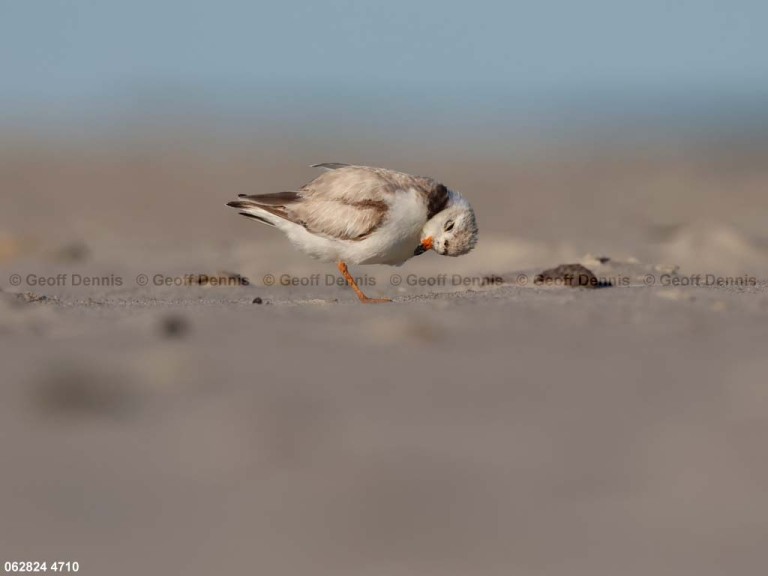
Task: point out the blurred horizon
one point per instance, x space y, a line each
491 68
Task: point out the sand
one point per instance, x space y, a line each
480 424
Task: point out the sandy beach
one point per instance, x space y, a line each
184 393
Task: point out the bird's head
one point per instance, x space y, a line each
452 231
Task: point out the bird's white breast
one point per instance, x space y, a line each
396 240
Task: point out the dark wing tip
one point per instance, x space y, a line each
276 199
330 165
237 204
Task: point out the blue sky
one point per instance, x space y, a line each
70 55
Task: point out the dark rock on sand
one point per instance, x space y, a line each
174 326
570 275
222 278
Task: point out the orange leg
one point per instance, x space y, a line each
351 281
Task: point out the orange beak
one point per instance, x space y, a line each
425 245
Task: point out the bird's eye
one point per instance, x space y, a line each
449 226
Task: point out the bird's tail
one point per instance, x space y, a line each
267 208
251 210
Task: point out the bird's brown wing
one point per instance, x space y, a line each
349 202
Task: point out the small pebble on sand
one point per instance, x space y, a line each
174 326
570 275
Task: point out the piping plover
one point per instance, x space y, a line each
366 215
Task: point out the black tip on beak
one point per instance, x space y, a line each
419 250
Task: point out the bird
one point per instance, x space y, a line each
366 215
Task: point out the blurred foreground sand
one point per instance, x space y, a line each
504 429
